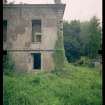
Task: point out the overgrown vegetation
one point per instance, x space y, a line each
82 39
59 54
8 65
69 86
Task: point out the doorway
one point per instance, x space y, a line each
36 60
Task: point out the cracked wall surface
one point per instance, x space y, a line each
19 33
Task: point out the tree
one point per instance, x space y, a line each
82 39
71 40
92 41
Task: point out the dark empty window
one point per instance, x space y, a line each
4 52
36 30
36 61
4 30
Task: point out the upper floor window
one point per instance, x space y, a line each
36 30
4 30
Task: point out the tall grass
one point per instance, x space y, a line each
71 86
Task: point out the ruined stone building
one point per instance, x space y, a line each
33 35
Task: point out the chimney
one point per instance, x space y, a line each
57 1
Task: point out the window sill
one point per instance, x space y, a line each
36 42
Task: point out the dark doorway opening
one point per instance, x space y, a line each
36 61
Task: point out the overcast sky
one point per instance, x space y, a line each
75 9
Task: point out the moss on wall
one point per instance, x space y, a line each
59 53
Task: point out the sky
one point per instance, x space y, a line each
82 10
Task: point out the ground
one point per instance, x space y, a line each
70 86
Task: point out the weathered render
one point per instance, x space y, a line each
19 34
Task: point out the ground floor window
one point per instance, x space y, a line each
36 60
4 30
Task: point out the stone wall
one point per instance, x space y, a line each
19 33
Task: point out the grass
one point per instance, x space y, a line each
70 86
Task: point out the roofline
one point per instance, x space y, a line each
35 5
53 6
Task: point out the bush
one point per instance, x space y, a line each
8 64
84 61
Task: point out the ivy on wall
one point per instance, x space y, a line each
59 53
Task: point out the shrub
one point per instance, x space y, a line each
8 64
84 61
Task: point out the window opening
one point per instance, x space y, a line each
4 30
36 30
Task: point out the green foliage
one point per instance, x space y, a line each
59 54
70 86
84 61
82 39
92 38
71 40
8 64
